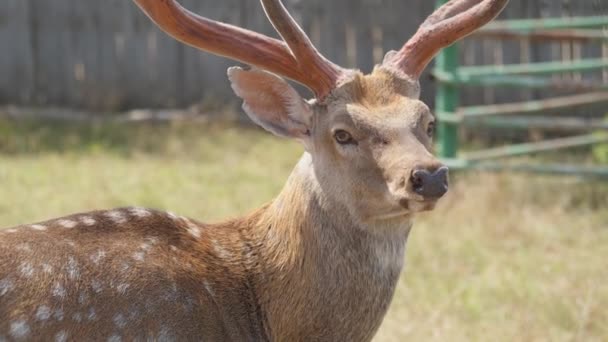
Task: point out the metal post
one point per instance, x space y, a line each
447 101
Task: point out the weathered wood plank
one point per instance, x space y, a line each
17 67
108 55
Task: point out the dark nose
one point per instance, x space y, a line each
430 184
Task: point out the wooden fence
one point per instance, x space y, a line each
106 55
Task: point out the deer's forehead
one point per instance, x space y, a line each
381 87
399 113
379 96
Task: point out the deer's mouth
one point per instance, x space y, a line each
406 207
416 205
393 215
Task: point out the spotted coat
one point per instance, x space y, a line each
119 275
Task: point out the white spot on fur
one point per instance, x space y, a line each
25 247
171 295
125 267
120 321
92 314
67 223
208 288
26 269
77 317
140 212
116 216
172 215
96 286
150 305
133 314
139 256
147 245
122 288
173 248
20 329
144 248
97 257
188 304
114 338
43 313
58 314
73 269
194 230
165 334
59 291
70 243
88 221
83 298
152 241
38 227
61 336
6 285
11 231
220 250
46 268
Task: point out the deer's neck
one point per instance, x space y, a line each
322 271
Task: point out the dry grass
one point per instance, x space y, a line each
507 258
503 258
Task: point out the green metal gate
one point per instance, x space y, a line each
523 115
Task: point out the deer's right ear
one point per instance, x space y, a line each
272 103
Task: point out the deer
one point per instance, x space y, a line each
320 262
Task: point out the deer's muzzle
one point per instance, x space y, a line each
430 184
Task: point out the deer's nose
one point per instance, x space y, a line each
428 183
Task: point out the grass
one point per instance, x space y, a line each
502 258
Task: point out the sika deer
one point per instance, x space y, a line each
319 263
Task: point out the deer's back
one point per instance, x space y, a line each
120 275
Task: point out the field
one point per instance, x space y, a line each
502 258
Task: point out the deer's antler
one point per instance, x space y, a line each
297 60
451 22
326 74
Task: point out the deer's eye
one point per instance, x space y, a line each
430 130
343 137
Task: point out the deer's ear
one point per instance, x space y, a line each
271 102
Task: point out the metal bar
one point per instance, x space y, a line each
446 100
543 146
520 82
545 35
546 24
542 68
547 123
553 169
531 107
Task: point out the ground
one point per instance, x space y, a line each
502 258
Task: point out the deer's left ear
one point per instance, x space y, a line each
272 103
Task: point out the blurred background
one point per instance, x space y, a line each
99 109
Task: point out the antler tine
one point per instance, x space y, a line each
451 22
226 40
449 9
324 73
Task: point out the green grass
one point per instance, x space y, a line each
502 258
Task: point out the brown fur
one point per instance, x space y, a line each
316 264
275 273
319 263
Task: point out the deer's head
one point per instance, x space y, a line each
369 135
